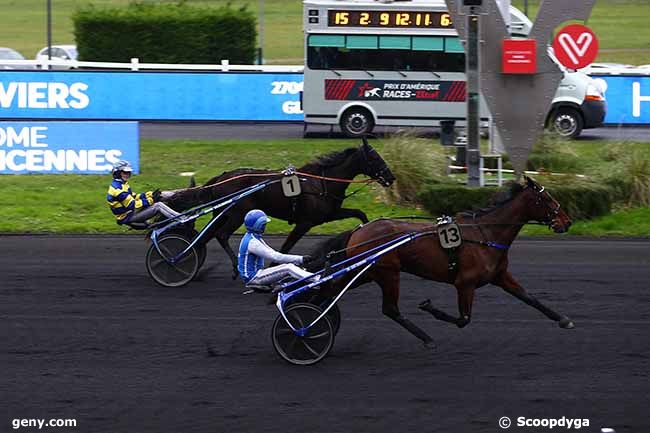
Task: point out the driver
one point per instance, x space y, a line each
129 207
253 251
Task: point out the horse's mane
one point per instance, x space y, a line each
333 158
498 200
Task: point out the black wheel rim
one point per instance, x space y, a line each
357 123
178 273
302 350
565 125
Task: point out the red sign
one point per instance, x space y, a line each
575 46
519 56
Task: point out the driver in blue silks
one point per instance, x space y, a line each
253 251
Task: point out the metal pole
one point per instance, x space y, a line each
260 59
49 32
473 92
526 7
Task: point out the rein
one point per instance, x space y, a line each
490 244
284 173
334 179
427 232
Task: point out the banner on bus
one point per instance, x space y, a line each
628 99
387 90
127 95
67 147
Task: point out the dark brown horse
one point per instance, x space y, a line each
320 201
482 257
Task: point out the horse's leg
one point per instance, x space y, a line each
344 213
223 233
507 282
465 301
388 280
296 234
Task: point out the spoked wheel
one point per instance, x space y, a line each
299 349
191 233
334 314
176 274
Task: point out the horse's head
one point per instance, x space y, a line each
374 166
545 209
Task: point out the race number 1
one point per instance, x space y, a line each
449 236
291 186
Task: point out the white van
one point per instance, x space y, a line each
579 102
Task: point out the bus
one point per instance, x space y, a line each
391 63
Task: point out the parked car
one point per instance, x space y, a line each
59 52
607 68
11 54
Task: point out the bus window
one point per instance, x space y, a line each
384 59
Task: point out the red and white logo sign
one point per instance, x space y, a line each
576 46
519 56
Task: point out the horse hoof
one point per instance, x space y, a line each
566 323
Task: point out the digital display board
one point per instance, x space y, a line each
384 18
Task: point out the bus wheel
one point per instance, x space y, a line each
566 122
357 122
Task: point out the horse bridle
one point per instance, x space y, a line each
380 174
552 211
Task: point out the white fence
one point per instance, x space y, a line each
135 65
225 66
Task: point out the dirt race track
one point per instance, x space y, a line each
87 335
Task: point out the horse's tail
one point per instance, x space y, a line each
330 250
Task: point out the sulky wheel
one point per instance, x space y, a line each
305 349
334 314
191 233
168 274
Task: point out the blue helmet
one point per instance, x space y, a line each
255 221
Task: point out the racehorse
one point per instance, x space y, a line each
321 199
481 258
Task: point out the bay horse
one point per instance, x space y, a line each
481 258
320 201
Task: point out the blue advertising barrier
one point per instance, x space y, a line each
125 95
67 147
218 96
628 99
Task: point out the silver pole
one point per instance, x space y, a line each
49 32
526 7
261 18
473 91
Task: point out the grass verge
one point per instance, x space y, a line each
76 203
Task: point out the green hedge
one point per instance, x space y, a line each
165 33
580 200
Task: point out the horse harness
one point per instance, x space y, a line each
450 238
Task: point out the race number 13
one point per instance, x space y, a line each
449 235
